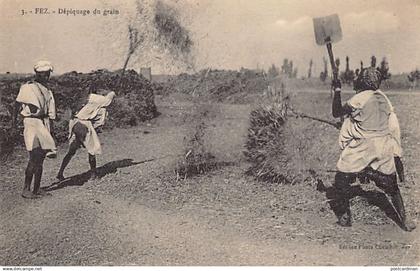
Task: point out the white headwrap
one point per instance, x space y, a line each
43 66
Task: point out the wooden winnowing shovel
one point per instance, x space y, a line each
327 31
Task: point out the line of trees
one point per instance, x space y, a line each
286 69
414 77
348 75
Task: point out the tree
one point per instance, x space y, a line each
347 63
373 61
130 38
357 72
285 66
413 77
361 65
273 71
310 68
324 74
290 71
384 69
348 75
294 73
134 42
337 63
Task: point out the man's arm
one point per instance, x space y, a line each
338 109
36 111
51 127
52 114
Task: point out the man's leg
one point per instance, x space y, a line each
92 163
388 183
340 204
391 188
66 160
400 168
39 161
29 173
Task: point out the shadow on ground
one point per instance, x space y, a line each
80 179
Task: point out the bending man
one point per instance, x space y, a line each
83 130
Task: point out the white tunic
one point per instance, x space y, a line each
365 137
37 130
92 115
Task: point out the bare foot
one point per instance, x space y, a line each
409 226
29 195
344 220
94 175
42 192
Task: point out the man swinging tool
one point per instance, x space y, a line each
83 130
370 145
369 136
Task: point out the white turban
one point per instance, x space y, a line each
43 66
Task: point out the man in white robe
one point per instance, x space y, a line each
83 130
37 107
370 143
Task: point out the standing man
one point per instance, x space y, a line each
368 144
83 130
37 107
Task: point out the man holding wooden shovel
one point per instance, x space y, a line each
366 138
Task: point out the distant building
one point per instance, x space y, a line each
147 73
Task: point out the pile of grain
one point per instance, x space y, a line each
282 147
265 144
219 85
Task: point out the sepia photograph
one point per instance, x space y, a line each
209 133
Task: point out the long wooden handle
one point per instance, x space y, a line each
334 124
333 66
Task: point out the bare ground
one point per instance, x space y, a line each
138 213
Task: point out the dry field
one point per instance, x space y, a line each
141 213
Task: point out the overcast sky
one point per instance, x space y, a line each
227 34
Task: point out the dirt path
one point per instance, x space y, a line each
137 215
96 229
